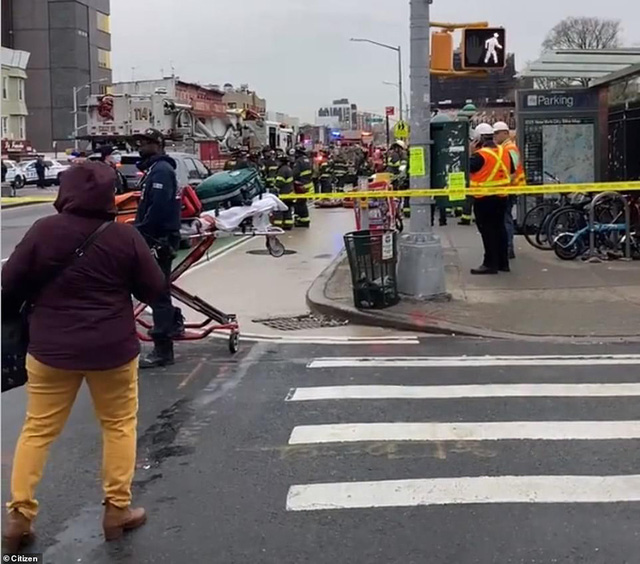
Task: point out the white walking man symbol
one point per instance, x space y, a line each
491 45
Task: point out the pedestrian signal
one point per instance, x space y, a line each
483 48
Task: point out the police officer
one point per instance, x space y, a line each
284 185
490 166
158 220
302 184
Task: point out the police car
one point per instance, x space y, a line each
53 170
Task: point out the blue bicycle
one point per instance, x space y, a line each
609 236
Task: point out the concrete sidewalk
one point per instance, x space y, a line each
260 287
543 297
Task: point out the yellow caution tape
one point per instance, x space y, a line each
495 191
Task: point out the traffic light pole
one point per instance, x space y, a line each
421 265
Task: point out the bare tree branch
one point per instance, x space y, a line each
580 33
584 33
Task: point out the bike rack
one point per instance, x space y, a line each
591 255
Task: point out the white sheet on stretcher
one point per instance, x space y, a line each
229 220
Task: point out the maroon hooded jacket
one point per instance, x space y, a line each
83 319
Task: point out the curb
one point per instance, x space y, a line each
319 303
24 204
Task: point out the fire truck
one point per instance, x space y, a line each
116 118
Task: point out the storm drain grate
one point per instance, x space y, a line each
300 322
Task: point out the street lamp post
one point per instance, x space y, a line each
421 265
404 98
399 51
76 91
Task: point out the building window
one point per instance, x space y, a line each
5 87
5 127
104 22
20 90
104 59
106 89
21 128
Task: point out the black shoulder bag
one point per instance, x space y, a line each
15 325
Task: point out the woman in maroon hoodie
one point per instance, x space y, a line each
81 328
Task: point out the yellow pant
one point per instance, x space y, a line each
50 396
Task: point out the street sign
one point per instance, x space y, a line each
390 110
484 48
401 130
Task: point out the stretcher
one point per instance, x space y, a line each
202 232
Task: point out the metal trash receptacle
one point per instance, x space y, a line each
373 260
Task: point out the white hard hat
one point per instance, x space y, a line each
400 143
500 126
484 129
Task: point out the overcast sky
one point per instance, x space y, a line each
297 53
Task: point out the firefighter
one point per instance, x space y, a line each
255 160
302 184
230 164
490 166
270 167
284 185
324 172
397 167
464 211
242 159
502 136
339 169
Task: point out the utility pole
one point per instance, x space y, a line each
75 118
400 83
421 265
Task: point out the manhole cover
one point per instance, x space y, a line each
300 322
265 252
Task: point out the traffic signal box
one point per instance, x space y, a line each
442 51
483 48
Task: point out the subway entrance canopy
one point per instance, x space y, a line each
581 64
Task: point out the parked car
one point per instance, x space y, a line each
189 169
15 176
52 173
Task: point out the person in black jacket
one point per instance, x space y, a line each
158 220
41 169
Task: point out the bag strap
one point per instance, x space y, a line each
77 253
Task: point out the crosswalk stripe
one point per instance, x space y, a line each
463 391
474 361
466 490
476 431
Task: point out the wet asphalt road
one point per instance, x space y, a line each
15 222
215 466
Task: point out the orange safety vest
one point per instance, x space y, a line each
496 170
518 178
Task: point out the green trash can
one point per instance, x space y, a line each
373 260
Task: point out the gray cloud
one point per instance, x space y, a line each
297 53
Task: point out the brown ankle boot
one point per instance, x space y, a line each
117 520
17 533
